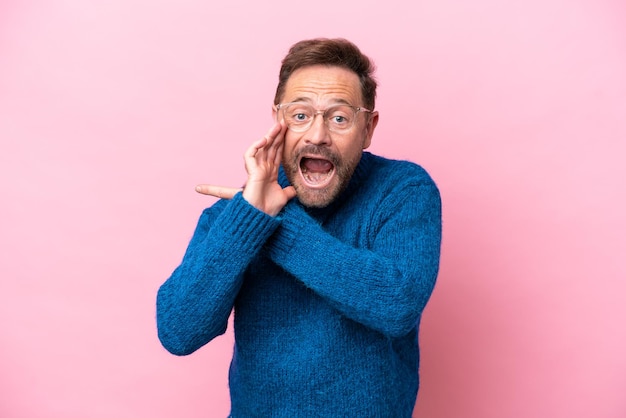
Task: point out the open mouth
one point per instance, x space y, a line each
316 172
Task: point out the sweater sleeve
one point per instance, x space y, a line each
194 304
384 286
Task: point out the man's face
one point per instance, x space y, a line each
319 163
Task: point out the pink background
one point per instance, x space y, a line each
111 112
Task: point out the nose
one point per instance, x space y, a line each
318 132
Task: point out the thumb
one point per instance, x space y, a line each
290 192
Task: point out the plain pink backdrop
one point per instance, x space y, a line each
111 112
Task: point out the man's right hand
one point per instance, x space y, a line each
262 160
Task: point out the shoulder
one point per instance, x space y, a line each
386 186
398 192
396 173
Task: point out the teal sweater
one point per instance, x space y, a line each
327 301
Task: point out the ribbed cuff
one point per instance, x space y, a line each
294 221
250 226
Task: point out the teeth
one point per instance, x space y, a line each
315 178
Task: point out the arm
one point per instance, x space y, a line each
194 304
384 287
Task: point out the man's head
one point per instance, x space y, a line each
329 52
333 79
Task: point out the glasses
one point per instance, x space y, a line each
300 116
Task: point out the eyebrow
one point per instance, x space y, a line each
334 101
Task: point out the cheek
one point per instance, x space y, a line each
290 143
352 148
288 152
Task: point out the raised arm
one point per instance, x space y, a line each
194 304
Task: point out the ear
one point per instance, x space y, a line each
369 129
274 113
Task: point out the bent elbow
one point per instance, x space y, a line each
182 341
401 325
173 342
405 314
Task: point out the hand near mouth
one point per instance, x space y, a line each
261 190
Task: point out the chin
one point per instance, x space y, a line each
315 200
318 198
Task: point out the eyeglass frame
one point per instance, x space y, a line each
356 110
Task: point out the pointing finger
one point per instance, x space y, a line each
217 191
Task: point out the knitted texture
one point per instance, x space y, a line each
327 301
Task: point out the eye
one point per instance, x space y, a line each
340 115
298 113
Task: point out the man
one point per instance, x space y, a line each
327 255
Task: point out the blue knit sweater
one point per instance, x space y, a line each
327 301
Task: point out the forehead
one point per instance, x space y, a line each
321 83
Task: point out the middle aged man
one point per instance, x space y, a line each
328 255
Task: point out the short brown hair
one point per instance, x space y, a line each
332 52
